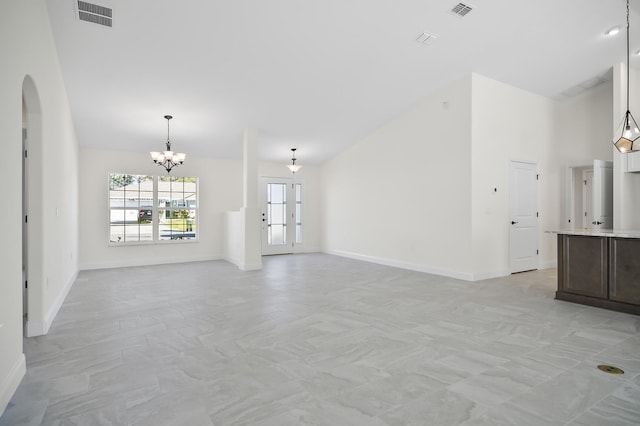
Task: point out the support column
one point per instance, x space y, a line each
250 212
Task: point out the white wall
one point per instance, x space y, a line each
626 186
27 47
220 190
401 196
512 124
419 192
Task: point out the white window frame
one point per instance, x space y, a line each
155 222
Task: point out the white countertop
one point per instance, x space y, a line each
598 233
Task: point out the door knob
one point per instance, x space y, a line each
513 222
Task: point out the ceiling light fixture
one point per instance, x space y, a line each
628 129
612 31
293 166
168 159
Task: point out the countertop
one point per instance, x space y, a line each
598 233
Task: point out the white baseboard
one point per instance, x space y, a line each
40 328
405 265
10 383
549 264
57 304
123 263
489 275
249 267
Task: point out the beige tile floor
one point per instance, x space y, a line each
320 340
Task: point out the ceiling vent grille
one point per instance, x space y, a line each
95 13
426 38
461 9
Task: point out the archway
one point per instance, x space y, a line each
32 227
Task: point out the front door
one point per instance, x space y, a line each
281 201
523 210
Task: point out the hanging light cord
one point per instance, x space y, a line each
169 142
627 119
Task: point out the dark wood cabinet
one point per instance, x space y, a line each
624 280
585 265
599 271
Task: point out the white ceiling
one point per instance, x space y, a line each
316 75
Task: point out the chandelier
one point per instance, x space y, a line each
628 130
168 159
293 166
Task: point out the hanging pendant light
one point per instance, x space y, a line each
628 129
293 166
168 159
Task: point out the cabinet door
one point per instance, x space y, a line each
585 266
633 162
624 283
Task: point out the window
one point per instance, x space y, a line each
152 208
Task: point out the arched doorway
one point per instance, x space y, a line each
32 229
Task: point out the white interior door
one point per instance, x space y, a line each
602 194
281 201
587 199
523 209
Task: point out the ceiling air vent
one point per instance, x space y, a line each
426 38
461 9
95 13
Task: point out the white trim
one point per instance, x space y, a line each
248 267
405 265
11 382
489 275
147 262
34 328
549 264
57 304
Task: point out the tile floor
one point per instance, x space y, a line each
320 340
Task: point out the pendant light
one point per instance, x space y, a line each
168 159
293 166
628 129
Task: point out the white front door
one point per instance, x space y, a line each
281 201
523 209
602 194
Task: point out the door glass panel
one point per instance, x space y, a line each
276 213
277 234
298 213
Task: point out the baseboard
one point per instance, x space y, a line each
147 262
490 275
57 304
35 328
405 265
249 267
11 382
549 264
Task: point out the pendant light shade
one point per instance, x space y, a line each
628 128
293 166
168 159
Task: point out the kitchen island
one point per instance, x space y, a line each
600 268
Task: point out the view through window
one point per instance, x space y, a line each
146 208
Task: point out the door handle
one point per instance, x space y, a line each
597 222
513 222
